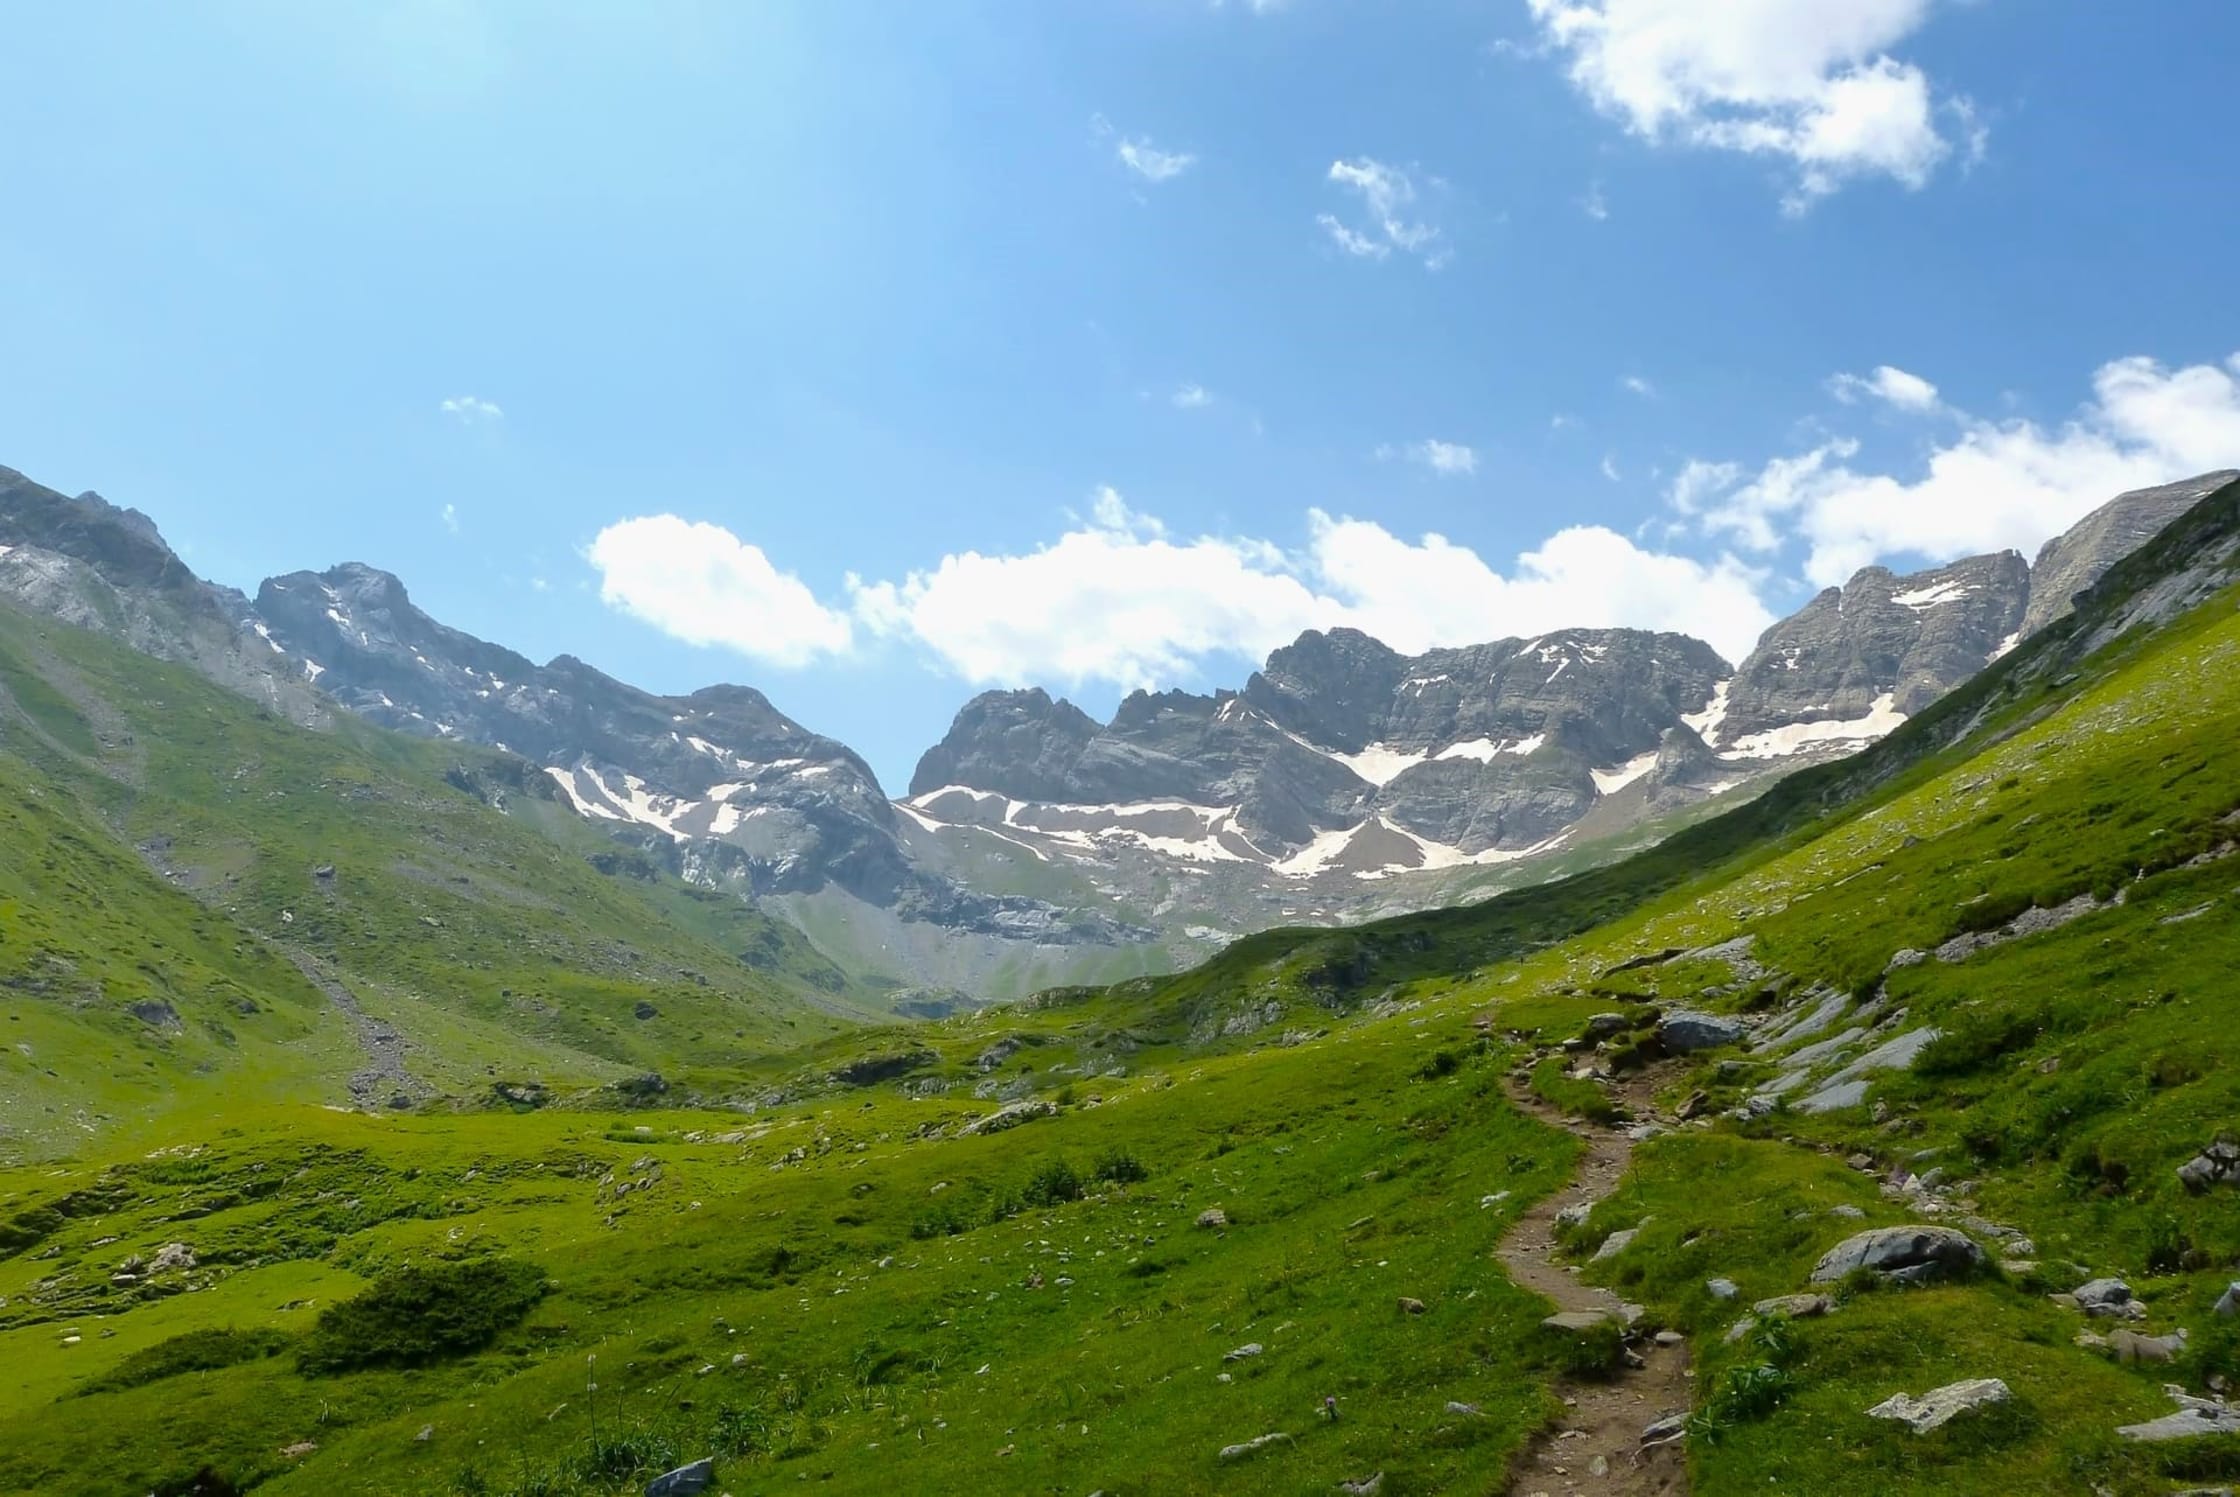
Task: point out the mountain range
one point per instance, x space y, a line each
1037 846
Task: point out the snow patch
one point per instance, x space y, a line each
1611 781
312 669
1484 750
1921 600
1706 723
2005 645
1774 743
1379 763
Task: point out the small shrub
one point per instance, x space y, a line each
1746 1393
417 1315
1053 1183
1119 1167
1442 1064
196 1351
943 1220
1597 1352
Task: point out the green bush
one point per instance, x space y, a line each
417 1315
1053 1183
1119 1167
196 1351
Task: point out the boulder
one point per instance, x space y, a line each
1367 1486
1795 1306
1213 1216
1249 1349
1410 1306
2219 1164
1940 1406
1904 1251
1615 1243
1574 1216
2110 1298
1723 1289
2230 1304
1670 1427
1602 1026
172 1257
1685 1031
2131 1348
2195 1416
1011 1115
685 1481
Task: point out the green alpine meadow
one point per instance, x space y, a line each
371 1127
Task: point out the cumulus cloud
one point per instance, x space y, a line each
1389 197
702 584
1811 82
1908 392
472 409
451 518
1636 385
1993 486
1191 397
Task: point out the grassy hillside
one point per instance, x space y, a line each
1305 1147
195 893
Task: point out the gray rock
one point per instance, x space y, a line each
1213 1217
2080 555
2229 1305
1848 1213
1940 1406
1467 1410
2219 1164
1890 1250
2131 1348
2195 1416
1795 1306
1683 1032
2107 1297
685 1481
1577 1321
1574 1216
1723 1289
1253 1446
1249 1349
1614 1244
1367 1486
1011 1115
1670 1427
1835 1096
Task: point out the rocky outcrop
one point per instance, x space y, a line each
1940 1406
2077 558
1882 643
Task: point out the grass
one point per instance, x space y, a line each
792 1258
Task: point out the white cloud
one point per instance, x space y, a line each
1147 161
1594 204
1191 398
1610 468
1808 81
1998 484
1638 386
1893 386
472 409
1389 195
702 584
1447 459
451 518
1563 421
1120 599
1140 156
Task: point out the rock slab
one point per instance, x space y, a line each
1940 1406
1913 1251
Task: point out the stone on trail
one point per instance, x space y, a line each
1253 1446
1574 1216
685 1481
1940 1406
1581 1320
1915 1252
1670 1427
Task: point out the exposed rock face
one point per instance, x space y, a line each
87 562
1022 737
1879 645
2074 560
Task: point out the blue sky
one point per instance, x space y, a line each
874 353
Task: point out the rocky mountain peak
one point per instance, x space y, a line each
2075 559
1015 743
